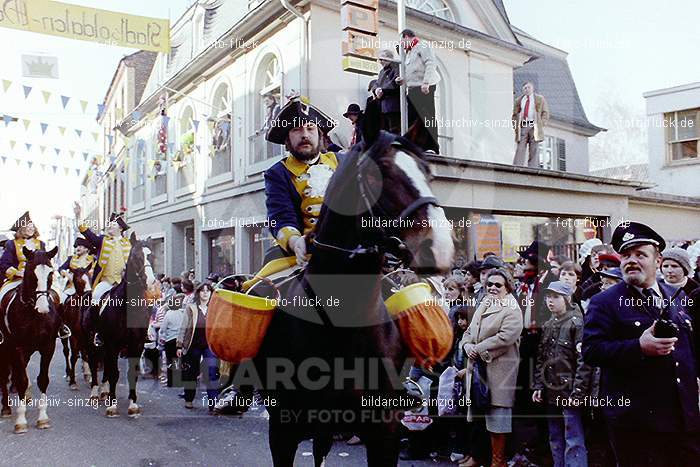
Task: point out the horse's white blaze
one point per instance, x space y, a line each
42 408
150 277
86 281
440 228
42 278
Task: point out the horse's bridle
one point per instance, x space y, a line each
405 214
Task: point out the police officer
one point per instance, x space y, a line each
649 381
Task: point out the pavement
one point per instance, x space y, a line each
165 434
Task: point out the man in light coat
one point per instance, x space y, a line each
530 116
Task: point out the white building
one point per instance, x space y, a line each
674 139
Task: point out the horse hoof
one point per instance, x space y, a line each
134 412
112 412
104 396
74 387
21 428
43 424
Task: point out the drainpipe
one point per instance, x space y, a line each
304 71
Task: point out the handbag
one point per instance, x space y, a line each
479 393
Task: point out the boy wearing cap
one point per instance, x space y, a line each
650 378
562 379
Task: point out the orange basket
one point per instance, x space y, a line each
424 325
237 323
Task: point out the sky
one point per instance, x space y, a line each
85 71
617 49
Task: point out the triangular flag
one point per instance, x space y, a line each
18 161
199 148
62 130
29 146
84 104
79 132
12 143
95 135
42 149
65 171
44 126
100 108
26 123
110 138
85 155
47 95
4 158
7 119
54 167
58 151
72 153
6 83
196 125
166 119
77 172
29 164
27 90
64 101
43 167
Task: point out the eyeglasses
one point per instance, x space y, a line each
498 285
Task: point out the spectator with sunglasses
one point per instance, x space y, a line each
493 336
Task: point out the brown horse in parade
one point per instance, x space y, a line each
29 321
75 345
334 344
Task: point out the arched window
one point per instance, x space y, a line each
184 156
159 172
268 99
433 7
222 130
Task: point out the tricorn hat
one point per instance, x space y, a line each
635 233
295 113
23 220
80 241
119 220
536 252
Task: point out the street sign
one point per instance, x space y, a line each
361 66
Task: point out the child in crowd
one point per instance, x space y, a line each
562 379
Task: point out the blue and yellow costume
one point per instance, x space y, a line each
86 261
112 254
13 261
294 189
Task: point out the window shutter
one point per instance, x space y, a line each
561 154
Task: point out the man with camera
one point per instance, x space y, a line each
640 335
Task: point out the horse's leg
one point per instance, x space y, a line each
322 446
134 360
4 375
382 443
111 374
283 444
42 381
20 381
73 362
66 355
93 363
104 387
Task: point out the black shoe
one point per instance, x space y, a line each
64 332
97 341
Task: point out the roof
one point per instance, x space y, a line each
501 9
142 61
632 172
552 78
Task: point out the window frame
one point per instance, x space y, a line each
669 142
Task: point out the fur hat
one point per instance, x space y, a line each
680 256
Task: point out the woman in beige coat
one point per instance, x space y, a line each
494 336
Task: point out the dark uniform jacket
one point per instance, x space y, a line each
660 393
560 371
386 80
13 260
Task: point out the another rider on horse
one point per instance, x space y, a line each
13 261
112 254
296 185
82 259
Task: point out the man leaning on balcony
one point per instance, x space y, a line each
530 116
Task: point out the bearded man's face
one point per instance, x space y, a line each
303 142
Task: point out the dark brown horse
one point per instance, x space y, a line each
123 324
74 346
30 324
333 345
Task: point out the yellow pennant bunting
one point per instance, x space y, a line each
47 95
6 83
12 143
42 148
62 130
72 154
83 105
95 135
65 170
26 123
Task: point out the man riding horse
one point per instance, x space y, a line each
13 260
295 186
112 254
82 259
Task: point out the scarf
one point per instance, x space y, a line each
409 45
